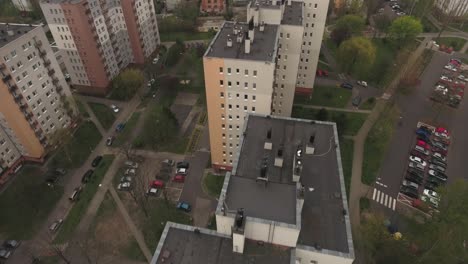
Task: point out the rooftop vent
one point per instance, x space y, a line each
229 42
240 218
269 134
262 26
310 145
247 46
279 157
239 37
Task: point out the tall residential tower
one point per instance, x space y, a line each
99 38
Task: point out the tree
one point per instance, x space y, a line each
346 27
139 189
356 52
322 115
61 137
187 10
160 127
127 83
371 7
382 22
174 53
405 29
354 6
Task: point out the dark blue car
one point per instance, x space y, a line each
347 85
120 127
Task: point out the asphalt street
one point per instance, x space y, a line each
417 107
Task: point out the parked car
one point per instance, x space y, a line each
87 176
410 184
55 225
96 161
438 162
419 154
119 127
418 160
321 72
155 60
356 101
430 200
126 179
182 171
60 171
109 141
416 172
414 178
410 192
184 206
422 150
124 186
442 132
157 184
52 179
168 162
152 191
130 171
442 178
431 185
75 194
423 131
183 164
4 253
417 166
440 145
437 168
115 108
423 144
178 178
439 156
440 150
362 83
131 164
346 85
11 244
430 193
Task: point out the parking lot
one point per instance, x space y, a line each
416 107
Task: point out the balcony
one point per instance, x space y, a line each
55 80
6 78
2 66
59 88
13 88
47 63
18 97
42 53
51 72
28 114
38 44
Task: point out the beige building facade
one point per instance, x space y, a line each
33 92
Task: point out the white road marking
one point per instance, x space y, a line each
373 195
378 196
384 199
394 204
385 203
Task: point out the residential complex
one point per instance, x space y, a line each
284 202
455 8
32 94
23 5
212 6
258 66
97 39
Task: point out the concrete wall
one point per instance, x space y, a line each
306 257
224 224
271 232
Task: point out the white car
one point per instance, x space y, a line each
362 83
115 108
450 67
401 13
124 186
442 135
439 156
155 60
441 88
151 82
445 78
430 193
182 171
130 171
152 191
418 160
463 78
131 164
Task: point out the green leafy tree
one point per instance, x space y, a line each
346 27
126 84
371 7
161 126
174 53
382 23
356 52
187 10
322 115
405 29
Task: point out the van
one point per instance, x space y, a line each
75 194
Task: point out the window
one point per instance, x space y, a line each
237 71
223 126
281 34
254 85
237 83
229 70
253 108
253 98
221 82
221 94
24 74
246 85
245 108
246 97
13 53
220 69
30 83
230 106
19 64
313 15
315 6
255 73
222 105
287 35
246 72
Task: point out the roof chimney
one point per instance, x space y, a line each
247 46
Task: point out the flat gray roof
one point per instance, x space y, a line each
261 49
323 222
292 14
183 246
9 32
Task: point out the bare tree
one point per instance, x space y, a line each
138 190
46 241
127 150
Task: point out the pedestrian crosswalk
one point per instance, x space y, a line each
384 199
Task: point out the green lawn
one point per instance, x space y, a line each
103 113
50 260
347 123
184 36
7 9
368 104
81 107
26 203
160 212
377 143
347 148
125 134
213 184
330 96
455 43
80 206
76 151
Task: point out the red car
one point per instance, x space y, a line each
178 178
423 144
157 184
321 72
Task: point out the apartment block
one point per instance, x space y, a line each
283 203
454 8
99 38
32 94
212 6
258 66
23 5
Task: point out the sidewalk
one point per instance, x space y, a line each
335 109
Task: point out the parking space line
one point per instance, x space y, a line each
373 195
